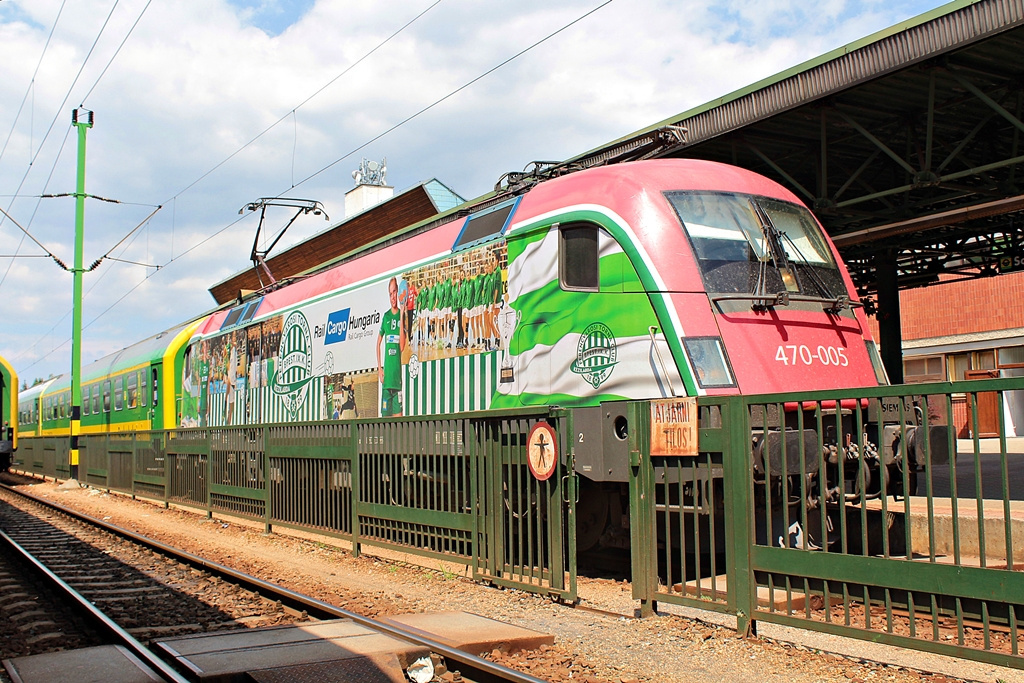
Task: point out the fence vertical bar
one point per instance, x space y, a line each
209 473
356 477
267 527
644 547
737 456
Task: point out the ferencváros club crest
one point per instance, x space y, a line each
595 354
294 362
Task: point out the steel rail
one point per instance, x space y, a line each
114 632
475 668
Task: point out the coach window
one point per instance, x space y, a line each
143 386
95 399
106 396
118 393
578 258
132 390
85 401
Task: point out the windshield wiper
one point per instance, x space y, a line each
773 238
762 300
815 278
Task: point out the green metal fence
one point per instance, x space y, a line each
455 489
783 516
894 514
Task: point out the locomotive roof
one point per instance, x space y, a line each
617 186
422 201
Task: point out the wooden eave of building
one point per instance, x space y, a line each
395 214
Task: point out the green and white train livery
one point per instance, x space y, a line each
643 280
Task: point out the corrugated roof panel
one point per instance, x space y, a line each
848 66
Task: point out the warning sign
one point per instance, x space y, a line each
674 426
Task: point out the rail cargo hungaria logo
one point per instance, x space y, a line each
595 354
294 362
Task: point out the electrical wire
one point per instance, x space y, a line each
32 81
452 93
29 235
340 159
49 129
303 102
117 51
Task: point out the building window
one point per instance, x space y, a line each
1011 357
925 369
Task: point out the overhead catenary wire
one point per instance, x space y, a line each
49 177
195 182
173 199
452 93
292 111
30 236
89 291
117 51
356 149
53 122
32 81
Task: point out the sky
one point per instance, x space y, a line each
202 106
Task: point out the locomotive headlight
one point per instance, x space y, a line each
710 363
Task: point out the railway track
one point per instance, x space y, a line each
129 590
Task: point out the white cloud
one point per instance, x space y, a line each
200 78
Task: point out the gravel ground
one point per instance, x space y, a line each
609 646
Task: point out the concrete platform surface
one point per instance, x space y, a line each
102 664
237 655
471 633
941 517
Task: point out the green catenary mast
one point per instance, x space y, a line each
83 123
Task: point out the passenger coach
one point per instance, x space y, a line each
8 413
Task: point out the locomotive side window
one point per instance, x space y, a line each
578 258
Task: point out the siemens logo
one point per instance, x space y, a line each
337 327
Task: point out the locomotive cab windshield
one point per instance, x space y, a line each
759 248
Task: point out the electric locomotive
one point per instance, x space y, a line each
645 280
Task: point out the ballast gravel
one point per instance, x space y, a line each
601 643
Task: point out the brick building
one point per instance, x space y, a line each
967 329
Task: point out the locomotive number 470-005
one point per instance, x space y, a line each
793 354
